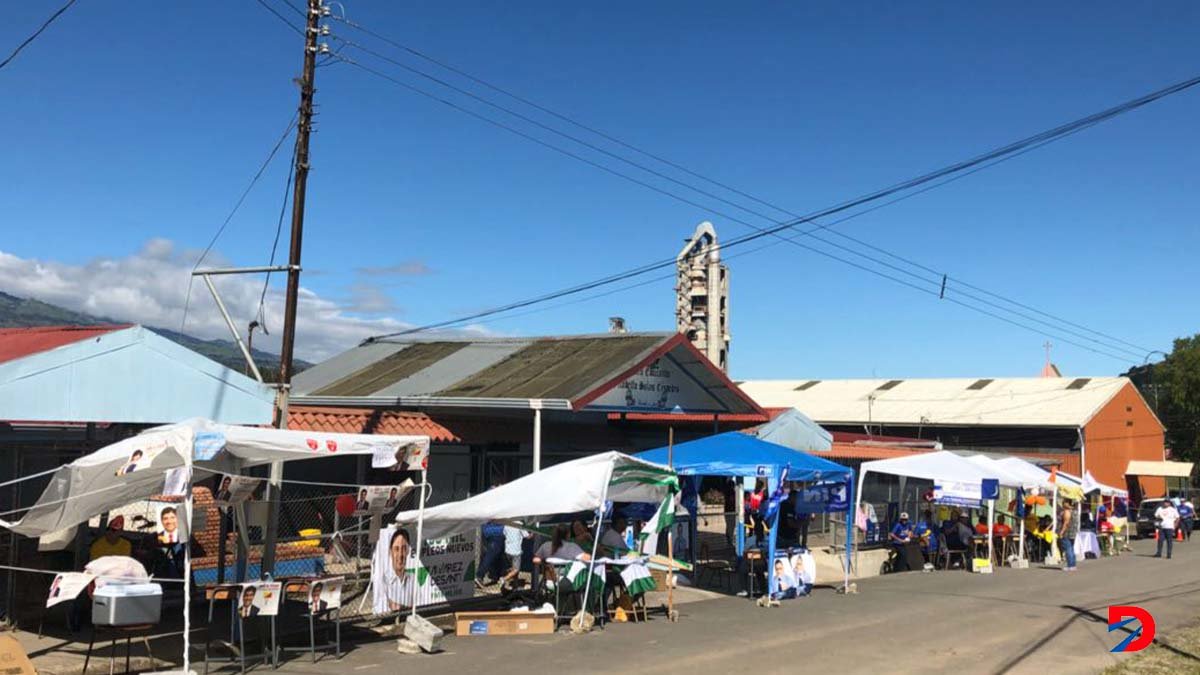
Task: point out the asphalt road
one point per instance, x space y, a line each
1015 621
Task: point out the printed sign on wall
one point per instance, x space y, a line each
661 386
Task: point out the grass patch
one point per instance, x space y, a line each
1178 653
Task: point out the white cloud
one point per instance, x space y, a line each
150 287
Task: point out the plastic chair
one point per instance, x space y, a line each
946 554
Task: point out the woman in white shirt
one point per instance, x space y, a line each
560 548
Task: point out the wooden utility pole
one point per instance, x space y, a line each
303 130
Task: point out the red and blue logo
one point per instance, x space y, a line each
1120 616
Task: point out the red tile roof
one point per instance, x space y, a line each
368 421
868 452
16 343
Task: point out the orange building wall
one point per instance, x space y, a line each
1124 429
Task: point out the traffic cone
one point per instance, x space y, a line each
1156 534
1178 534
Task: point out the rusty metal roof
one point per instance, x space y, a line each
564 372
18 342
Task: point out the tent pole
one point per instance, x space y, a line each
420 539
187 570
537 437
849 535
671 531
991 530
1054 521
596 543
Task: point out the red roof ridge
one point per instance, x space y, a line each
16 343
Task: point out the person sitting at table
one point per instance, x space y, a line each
1001 529
960 533
560 547
981 527
112 543
614 536
925 532
581 534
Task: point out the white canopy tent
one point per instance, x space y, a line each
579 485
151 464
584 484
935 466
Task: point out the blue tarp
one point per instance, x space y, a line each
737 454
740 455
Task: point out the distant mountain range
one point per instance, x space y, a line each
22 312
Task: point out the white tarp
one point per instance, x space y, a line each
136 468
1089 484
935 466
1031 474
579 485
1007 478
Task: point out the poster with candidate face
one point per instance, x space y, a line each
67 586
407 457
446 571
259 598
142 456
380 498
172 525
325 594
234 489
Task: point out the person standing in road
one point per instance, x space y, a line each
1168 519
1068 528
1187 516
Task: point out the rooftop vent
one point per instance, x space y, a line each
890 384
807 385
980 384
1079 383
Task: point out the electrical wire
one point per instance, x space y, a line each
281 17
287 192
679 167
1020 146
45 24
232 212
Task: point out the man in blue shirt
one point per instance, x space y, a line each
926 531
900 536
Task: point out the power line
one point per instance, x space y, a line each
1012 149
287 192
36 33
232 212
281 17
679 167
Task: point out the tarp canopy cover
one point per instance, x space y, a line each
1008 478
736 454
578 485
134 468
935 466
1031 474
797 431
1139 467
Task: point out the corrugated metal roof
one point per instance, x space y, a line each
18 342
554 367
1033 401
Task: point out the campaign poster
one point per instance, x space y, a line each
823 498
67 586
373 499
143 455
259 598
447 571
958 493
234 489
407 457
783 574
172 525
325 594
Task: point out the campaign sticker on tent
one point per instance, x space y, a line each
176 482
67 586
259 599
325 594
380 498
235 489
958 493
407 457
206 444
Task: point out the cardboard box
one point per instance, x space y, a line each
503 623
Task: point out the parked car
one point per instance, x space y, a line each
1145 517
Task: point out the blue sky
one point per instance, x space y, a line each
131 128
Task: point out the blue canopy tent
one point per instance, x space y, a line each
740 455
